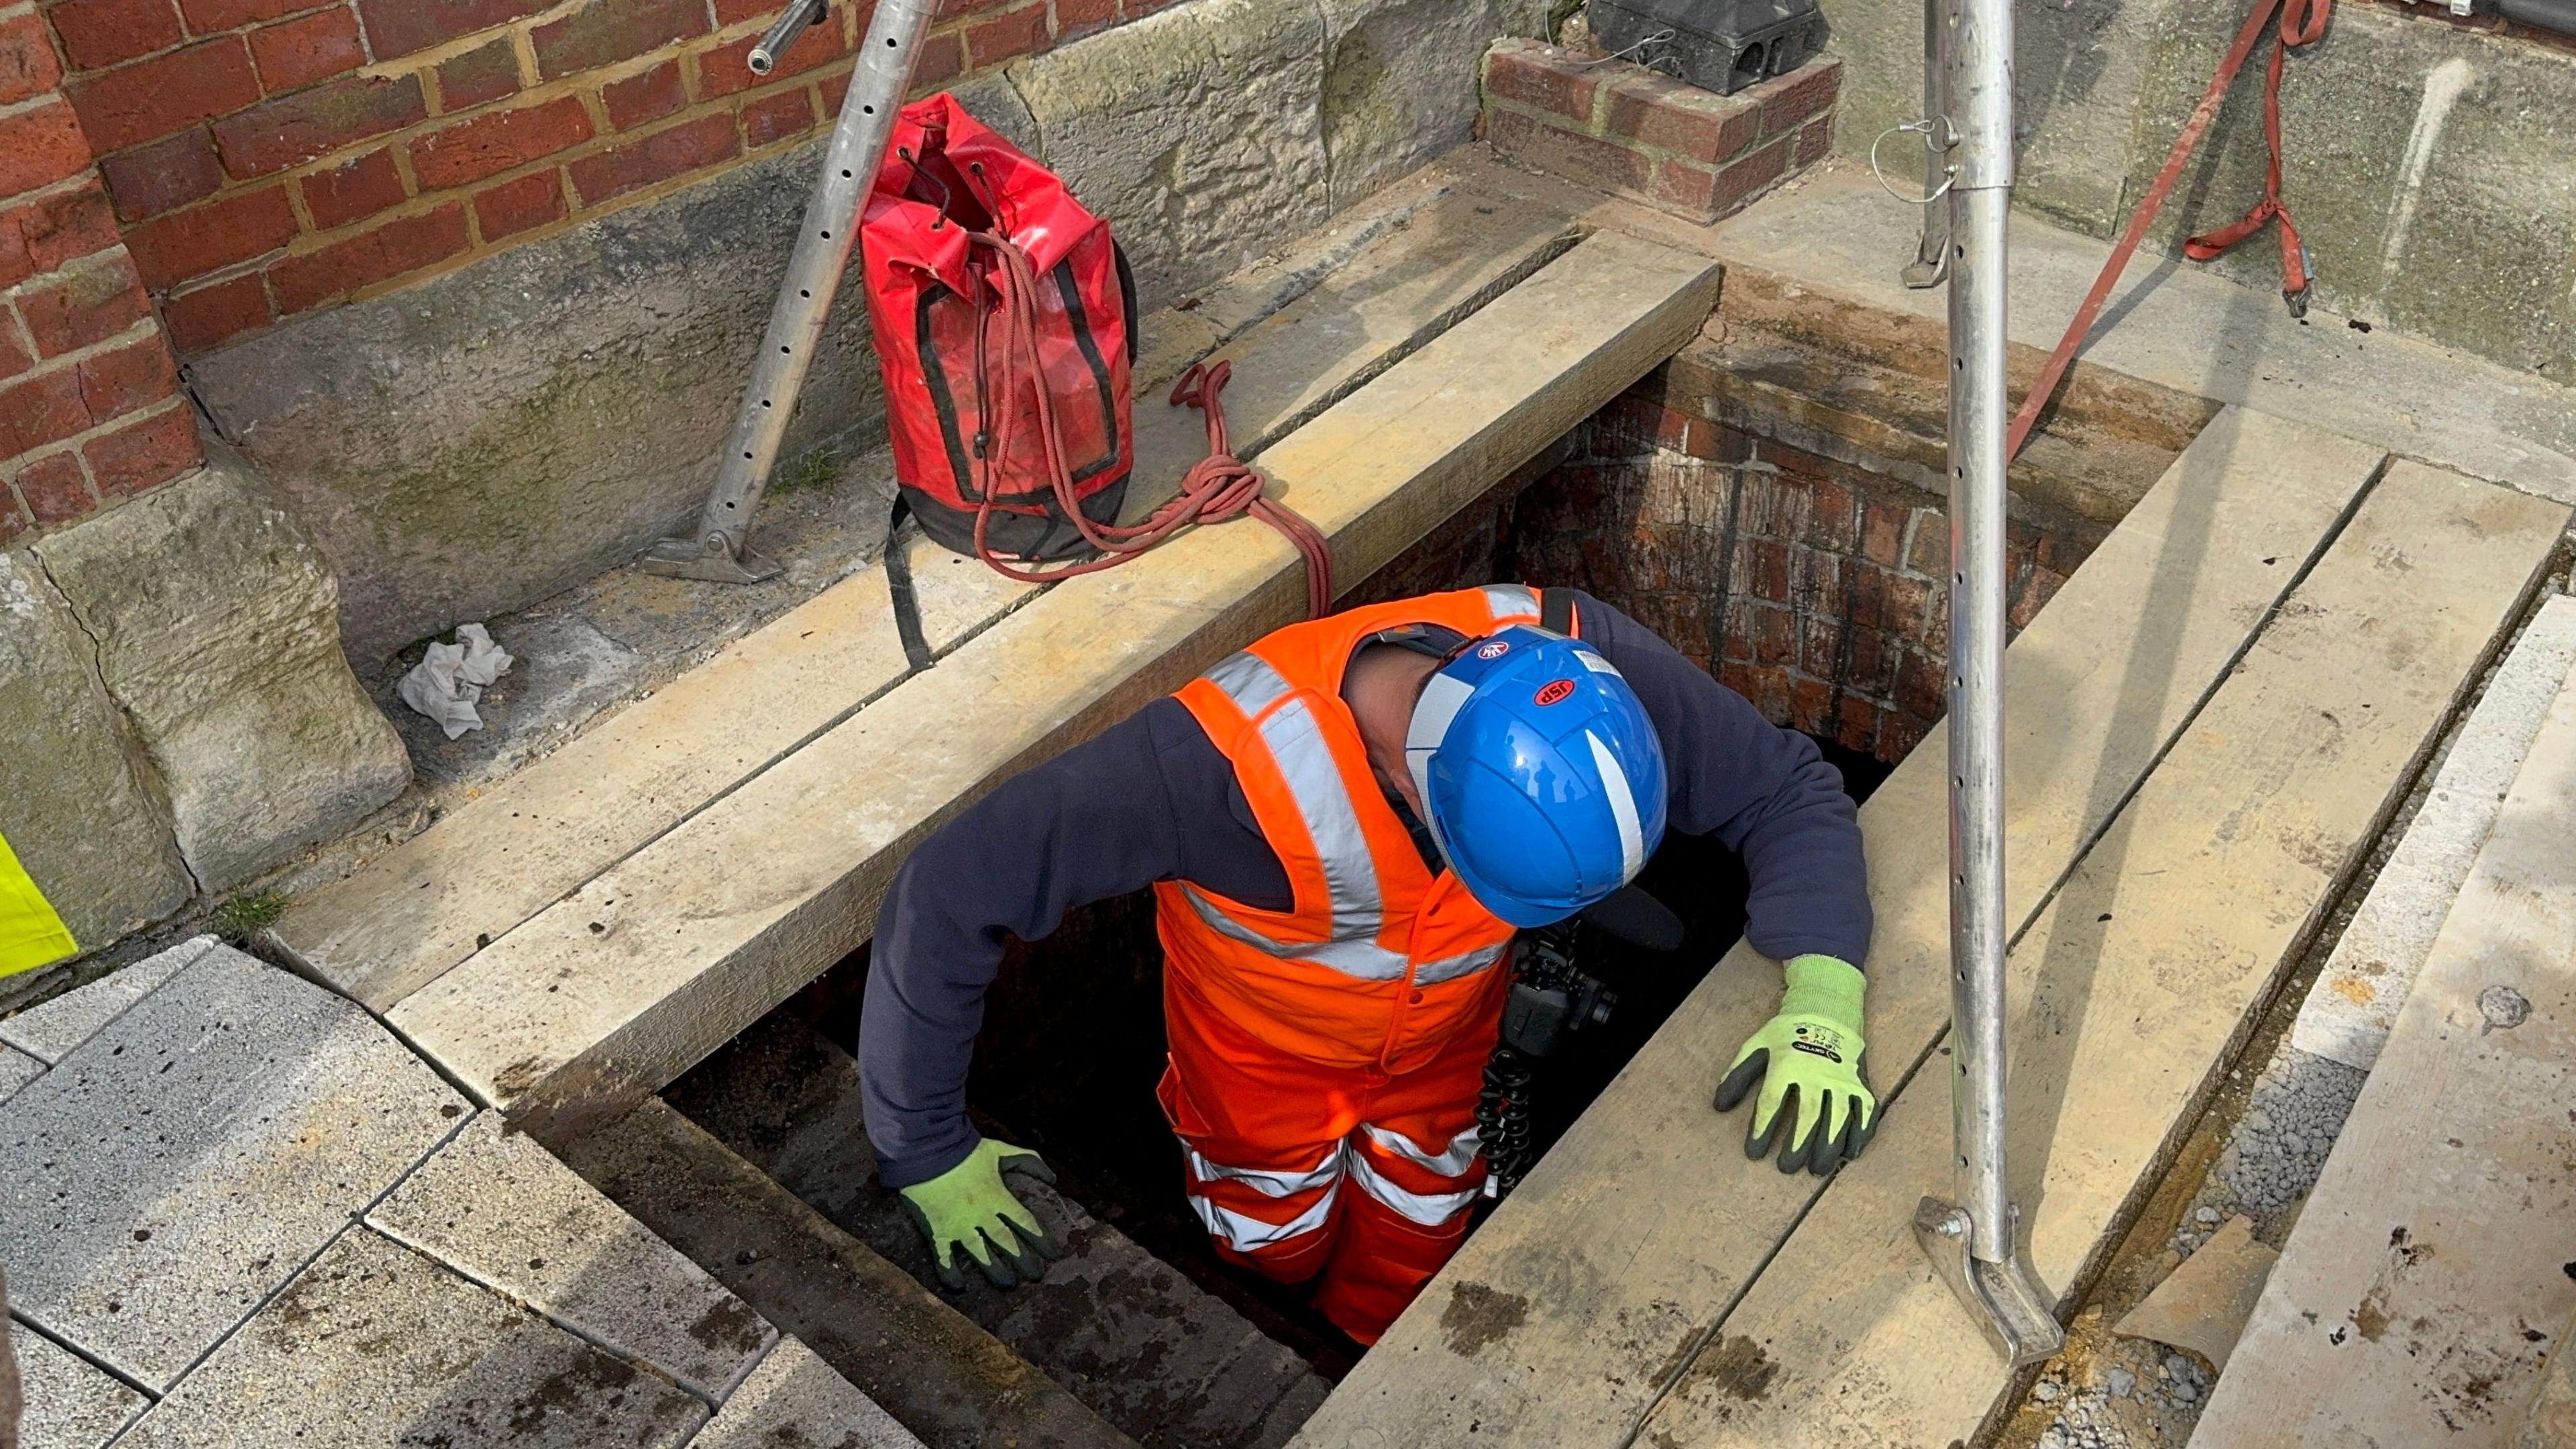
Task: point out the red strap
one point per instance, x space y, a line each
2302 22
1218 487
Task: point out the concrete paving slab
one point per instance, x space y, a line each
49 1030
498 1208
793 1400
375 1344
2347 1014
176 1169
71 1403
17 1069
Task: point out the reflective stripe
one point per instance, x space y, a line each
1442 697
1450 968
1509 601
1315 783
1430 1209
1365 959
1452 1163
1250 682
1623 808
1246 1233
1599 665
1264 1180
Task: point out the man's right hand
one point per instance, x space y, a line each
967 1212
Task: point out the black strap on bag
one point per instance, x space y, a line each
1556 611
899 588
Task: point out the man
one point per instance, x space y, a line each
1344 826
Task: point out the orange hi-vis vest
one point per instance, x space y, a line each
1380 962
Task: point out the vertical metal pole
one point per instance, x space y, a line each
1931 262
720 550
1974 1241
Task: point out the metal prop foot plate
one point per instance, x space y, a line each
2002 1297
713 559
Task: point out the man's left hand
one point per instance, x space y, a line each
1811 1063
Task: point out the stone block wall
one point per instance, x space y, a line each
1627 129
90 410
272 157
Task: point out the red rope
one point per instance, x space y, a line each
2302 23
1217 488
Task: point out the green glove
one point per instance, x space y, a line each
1814 1072
966 1211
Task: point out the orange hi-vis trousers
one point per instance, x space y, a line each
1352 1176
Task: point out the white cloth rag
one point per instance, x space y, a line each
448 681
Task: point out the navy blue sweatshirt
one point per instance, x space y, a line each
1152 799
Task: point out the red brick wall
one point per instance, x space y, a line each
269 157
1626 129
1811 587
90 409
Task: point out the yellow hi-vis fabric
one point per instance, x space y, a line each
31 935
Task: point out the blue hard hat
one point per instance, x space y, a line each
1540 771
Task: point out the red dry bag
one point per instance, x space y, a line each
1003 322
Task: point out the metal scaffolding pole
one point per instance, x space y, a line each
1973 1241
720 550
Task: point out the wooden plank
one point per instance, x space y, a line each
2348 1013
2130 993
2422 1290
1568 1309
637 975
433 901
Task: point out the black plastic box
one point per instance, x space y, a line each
1717 45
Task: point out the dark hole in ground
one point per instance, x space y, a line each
1073 1043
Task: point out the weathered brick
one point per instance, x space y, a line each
149 99
666 153
485 73
775 118
40 147
1658 111
1543 77
52 231
299 52
1773 634
1857 723
1898 734
356 188
400 246
2036 590
14 356
1007 37
1580 158
205 17
647 97
1869 664
1810 705
1833 517
1075 19
496 141
202 239
164 176
1685 188
42 409
1815 142
89 301
734 12
215 314
399 27
726 69
1762 570
1908 603
297 128
1800 96
27 64
519 205
605 32
1920 690
1882 532
57 489
127 379
152 449
1927 548
1744 178
13 517
941 59
97 34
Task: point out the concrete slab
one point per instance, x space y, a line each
17 1069
499 1209
793 1400
71 1403
174 1170
375 1344
49 1030
2348 1012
